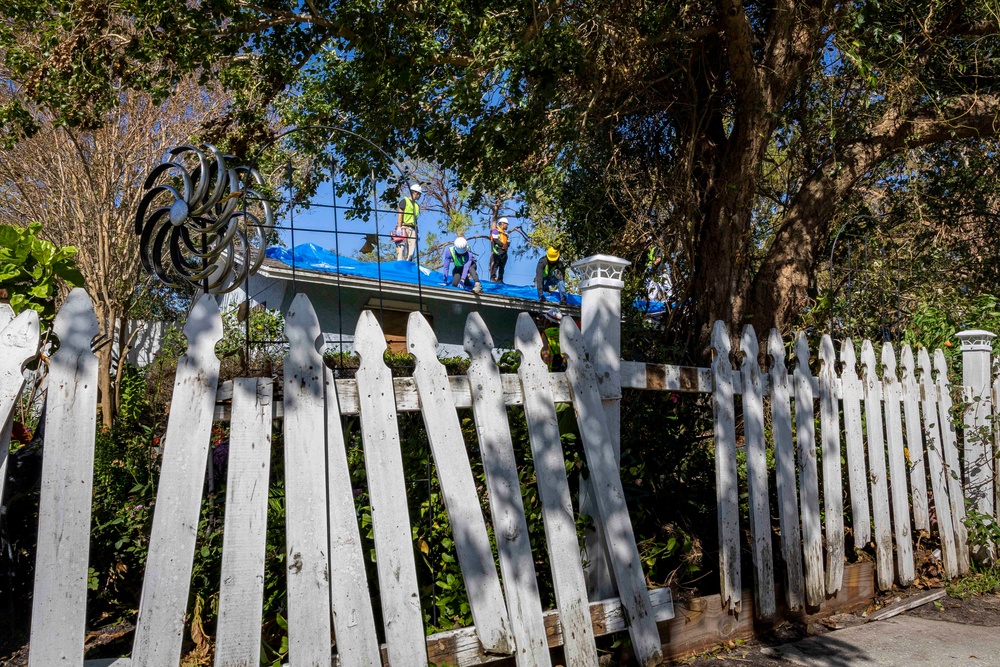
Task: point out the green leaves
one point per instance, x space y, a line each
32 270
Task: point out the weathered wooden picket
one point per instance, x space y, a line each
892 429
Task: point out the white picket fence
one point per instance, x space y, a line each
892 424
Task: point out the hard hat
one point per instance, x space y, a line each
553 315
461 245
552 254
415 187
502 221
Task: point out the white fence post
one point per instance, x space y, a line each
601 324
977 380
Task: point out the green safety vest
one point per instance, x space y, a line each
411 211
459 263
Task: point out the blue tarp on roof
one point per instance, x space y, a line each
314 258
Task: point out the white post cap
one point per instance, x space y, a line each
975 339
601 271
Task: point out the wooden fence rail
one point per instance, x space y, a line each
892 427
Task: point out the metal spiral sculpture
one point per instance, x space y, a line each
194 225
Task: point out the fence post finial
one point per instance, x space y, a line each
601 324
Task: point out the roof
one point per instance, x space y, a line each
317 265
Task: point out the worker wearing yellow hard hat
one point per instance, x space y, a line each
550 273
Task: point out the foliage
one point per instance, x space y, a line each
32 270
266 348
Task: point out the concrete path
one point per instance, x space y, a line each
903 641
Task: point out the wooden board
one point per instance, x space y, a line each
397 574
726 483
623 554
897 467
857 474
953 471
163 605
805 432
760 510
877 469
935 466
833 494
241 591
350 601
59 603
458 488
18 345
553 490
785 477
506 505
914 440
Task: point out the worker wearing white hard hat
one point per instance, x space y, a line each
499 243
460 266
405 234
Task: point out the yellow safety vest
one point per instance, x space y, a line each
411 211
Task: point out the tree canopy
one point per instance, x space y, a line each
734 135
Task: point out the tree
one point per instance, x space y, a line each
83 187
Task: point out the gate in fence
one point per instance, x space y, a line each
889 421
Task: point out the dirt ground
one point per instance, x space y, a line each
981 611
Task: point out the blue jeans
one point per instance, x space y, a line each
549 283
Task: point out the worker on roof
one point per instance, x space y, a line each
460 266
499 243
405 234
550 273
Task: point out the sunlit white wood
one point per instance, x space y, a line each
59 604
623 554
241 593
163 607
805 432
557 508
306 538
784 457
914 440
897 467
458 488
506 505
18 344
877 469
935 465
350 600
397 574
855 447
760 510
953 471
726 484
833 494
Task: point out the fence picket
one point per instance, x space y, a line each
897 467
784 456
623 553
241 591
935 464
350 600
855 445
306 537
163 605
833 494
805 431
458 488
397 574
760 511
59 604
952 470
914 441
553 489
18 343
877 469
726 483
506 505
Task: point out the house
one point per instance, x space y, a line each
340 288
